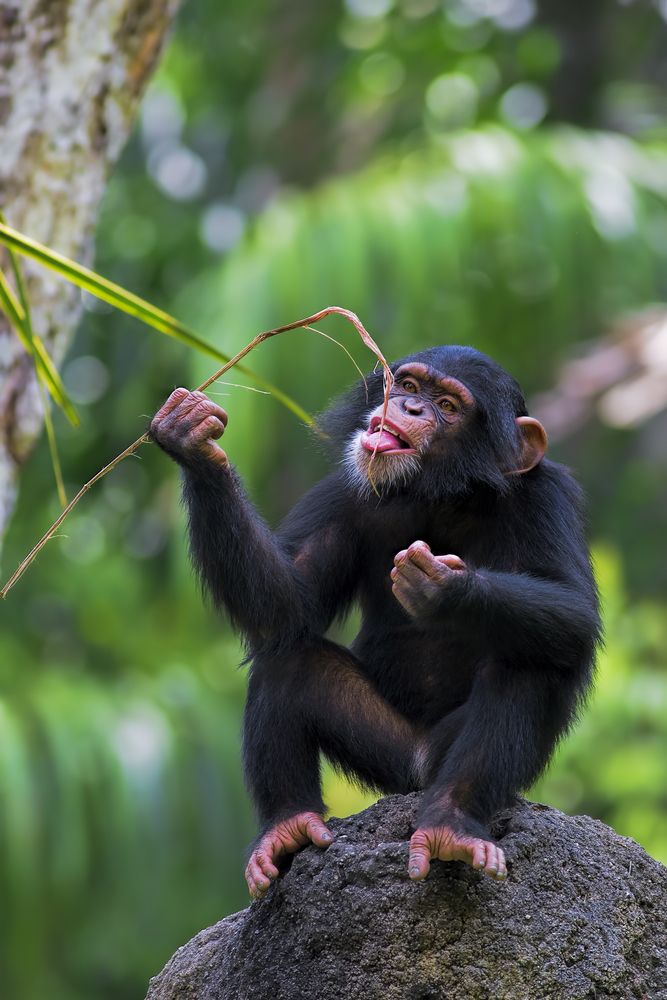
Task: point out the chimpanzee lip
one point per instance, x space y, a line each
403 444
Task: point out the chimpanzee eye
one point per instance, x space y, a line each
409 385
448 406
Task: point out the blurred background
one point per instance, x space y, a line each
487 172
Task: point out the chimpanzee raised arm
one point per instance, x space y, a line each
241 565
465 551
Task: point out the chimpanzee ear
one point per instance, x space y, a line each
533 443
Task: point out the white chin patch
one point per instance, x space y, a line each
368 473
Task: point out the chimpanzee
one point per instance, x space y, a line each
465 550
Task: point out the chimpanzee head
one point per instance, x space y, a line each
455 420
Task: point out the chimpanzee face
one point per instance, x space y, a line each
426 413
443 434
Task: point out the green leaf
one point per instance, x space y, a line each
46 369
133 305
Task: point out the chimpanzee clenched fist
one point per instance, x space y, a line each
187 427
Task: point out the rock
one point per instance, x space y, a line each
582 915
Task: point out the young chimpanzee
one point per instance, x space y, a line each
465 551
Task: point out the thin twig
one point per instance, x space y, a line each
343 348
240 385
255 342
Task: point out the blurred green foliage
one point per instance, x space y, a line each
418 163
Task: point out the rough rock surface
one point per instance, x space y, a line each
582 915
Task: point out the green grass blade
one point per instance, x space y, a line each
48 372
43 362
13 310
53 445
54 383
37 358
19 312
133 305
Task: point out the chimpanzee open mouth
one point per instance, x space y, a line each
386 438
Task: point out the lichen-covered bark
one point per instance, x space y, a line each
71 74
582 916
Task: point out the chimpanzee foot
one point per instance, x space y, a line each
286 837
442 844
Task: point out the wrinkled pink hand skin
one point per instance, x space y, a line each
418 577
188 424
440 843
286 837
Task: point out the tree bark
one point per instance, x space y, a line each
582 915
71 75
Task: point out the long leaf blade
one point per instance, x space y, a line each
131 304
46 369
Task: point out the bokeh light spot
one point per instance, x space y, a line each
162 116
178 171
452 100
369 8
524 105
85 540
141 739
222 226
611 201
86 379
381 74
134 236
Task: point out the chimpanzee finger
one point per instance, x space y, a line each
409 571
405 553
189 414
249 881
492 862
210 427
174 400
401 592
257 881
418 544
403 561
419 862
495 863
421 556
265 862
214 453
184 405
454 562
479 854
319 832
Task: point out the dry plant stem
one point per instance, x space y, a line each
255 342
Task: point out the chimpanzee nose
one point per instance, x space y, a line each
413 406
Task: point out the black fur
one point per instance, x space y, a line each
483 687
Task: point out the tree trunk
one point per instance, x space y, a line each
582 915
71 75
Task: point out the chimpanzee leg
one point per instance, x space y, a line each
507 731
316 698
497 743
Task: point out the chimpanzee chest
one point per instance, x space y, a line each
447 528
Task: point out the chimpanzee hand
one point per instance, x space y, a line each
186 428
419 578
286 837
